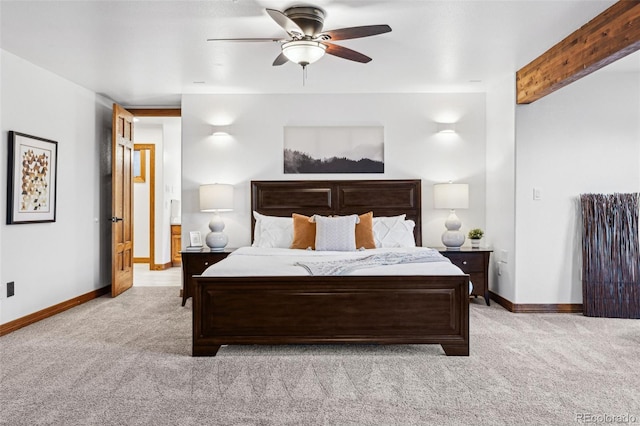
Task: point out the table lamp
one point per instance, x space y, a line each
451 196
216 197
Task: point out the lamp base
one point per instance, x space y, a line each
216 239
453 238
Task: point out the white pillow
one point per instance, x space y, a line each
336 233
383 224
272 231
393 231
256 229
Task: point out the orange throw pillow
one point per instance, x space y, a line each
304 232
364 232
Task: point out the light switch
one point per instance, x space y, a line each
537 194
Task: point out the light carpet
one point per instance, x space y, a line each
127 361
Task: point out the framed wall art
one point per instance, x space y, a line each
333 149
32 178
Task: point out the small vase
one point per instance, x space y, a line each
475 243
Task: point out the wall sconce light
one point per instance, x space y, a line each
221 130
446 127
216 198
451 196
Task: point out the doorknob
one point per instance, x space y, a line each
116 219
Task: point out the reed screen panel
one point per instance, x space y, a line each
610 255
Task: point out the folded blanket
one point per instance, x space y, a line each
345 266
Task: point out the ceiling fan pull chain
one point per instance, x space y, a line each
304 75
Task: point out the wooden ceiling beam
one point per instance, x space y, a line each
612 35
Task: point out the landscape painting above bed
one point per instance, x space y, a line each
333 149
274 309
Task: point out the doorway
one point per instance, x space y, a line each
157 148
144 216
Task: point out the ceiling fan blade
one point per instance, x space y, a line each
354 32
281 59
285 22
343 52
247 39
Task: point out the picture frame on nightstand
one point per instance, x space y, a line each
195 239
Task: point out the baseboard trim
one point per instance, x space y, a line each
52 310
160 266
536 308
141 260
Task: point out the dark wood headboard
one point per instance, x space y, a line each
339 197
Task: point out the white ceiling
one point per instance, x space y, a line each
148 53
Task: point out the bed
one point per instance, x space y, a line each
330 309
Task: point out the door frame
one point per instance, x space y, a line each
152 203
154 112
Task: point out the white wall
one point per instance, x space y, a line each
171 176
3 289
500 233
584 138
254 149
54 262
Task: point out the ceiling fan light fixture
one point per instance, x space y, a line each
303 52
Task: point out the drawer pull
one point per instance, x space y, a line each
206 263
464 262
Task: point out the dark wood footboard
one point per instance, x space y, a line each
331 309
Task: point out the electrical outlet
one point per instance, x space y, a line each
11 289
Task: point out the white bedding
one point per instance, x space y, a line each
256 261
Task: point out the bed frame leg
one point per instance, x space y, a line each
456 350
205 350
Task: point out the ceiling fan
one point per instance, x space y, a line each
307 42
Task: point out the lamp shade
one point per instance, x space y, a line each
451 196
216 197
303 52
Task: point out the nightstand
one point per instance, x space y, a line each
474 262
194 263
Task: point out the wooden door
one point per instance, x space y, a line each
122 201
